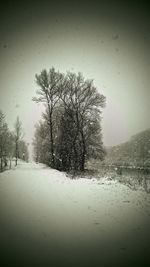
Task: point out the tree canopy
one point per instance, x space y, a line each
71 121
11 144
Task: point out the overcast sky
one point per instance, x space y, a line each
106 42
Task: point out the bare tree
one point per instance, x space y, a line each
17 137
41 143
80 96
72 104
23 150
48 83
6 142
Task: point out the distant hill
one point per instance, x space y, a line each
135 152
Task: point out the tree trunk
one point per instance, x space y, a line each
5 162
75 159
52 144
83 152
83 161
16 153
10 163
51 137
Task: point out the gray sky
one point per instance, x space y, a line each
108 43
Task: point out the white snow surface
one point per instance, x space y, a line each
44 206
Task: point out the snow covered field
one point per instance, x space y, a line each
48 219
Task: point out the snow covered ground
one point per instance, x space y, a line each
48 219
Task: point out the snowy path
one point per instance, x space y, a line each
48 219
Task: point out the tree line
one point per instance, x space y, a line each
12 145
69 132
